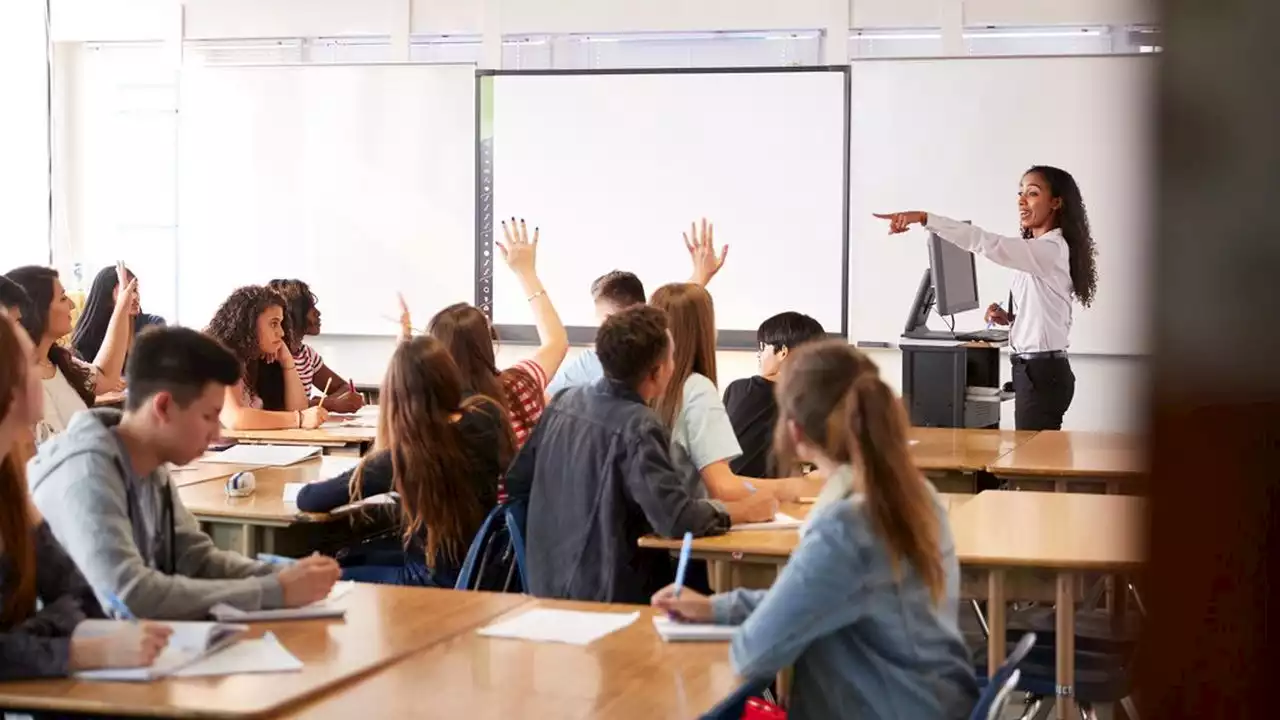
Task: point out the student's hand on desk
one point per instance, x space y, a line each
997 314
348 402
308 580
760 506
702 252
689 607
313 417
128 645
901 222
519 252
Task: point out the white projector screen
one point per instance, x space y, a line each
613 166
358 179
958 146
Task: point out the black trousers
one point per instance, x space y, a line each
1044 387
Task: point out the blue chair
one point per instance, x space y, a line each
732 707
497 547
996 692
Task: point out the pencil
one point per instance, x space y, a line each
325 394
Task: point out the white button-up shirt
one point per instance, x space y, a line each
1042 289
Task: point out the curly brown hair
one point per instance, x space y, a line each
235 325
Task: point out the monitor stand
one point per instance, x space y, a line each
917 327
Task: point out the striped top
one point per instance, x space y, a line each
526 397
307 362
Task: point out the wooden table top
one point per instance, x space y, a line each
631 673
772 543
383 625
958 449
265 505
1051 530
200 472
326 436
1070 453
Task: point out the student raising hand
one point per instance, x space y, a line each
406 319
702 251
519 252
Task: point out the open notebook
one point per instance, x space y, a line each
676 631
780 521
262 455
321 609
190 643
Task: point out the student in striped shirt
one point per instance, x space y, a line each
469 337
305 319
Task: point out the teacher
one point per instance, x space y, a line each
1053 263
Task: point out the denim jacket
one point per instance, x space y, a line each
864 645
598 474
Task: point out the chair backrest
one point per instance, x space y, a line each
996 711
517 512
497 552
1000 686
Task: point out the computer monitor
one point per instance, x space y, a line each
955 278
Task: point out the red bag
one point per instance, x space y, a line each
757 709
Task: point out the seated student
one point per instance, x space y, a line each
469 338
443 450
43 642
598 475
749 401
13 298
691 406
104 487
70 385
100 306
304 316
253 323
866 608
619 290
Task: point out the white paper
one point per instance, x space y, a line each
265 455
331 466
189 642
390 498
291 491
319 610
563 626
676 631
780 521
263 655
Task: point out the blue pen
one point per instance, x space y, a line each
998 307
685 548
275 559
119 609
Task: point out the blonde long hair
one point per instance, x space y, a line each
691 316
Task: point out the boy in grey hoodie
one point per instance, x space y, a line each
104 490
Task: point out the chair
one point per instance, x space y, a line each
732 707
996 692
497 554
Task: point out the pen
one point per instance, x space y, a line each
119 609
685 548
998 307
275 559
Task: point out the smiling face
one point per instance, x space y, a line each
1037 208
271 330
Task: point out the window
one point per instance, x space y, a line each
24 143
678 50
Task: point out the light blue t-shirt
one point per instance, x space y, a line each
702 428
584 369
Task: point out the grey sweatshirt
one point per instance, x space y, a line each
117 528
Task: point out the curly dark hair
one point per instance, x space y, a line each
300 300
1073 220
235 325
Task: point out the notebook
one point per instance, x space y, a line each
190 643
266 455
572 627
263 655
781 521
319 610
676 631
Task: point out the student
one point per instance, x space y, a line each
70 384
105 489
619 290
866 608
253 323
753 412
691 406
46 641
443 450
1054 262
100 306
304 316
598 475
12 298
469 338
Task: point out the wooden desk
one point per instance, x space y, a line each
628 674
383 625
1057 458
197 473
1066 532
961 450
337 440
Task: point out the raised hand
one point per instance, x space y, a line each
702 252
519 252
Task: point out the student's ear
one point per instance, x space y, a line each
783 353
162 405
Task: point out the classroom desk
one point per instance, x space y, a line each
199 472
630 674
343 440
1069 533
1056 459
383 625
958 451
250 524
753 558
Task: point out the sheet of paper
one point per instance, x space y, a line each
265 455
326 608
331 466
263 655
291 491
562 626
781 521
189 641
675 631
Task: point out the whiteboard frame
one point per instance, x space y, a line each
585 335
